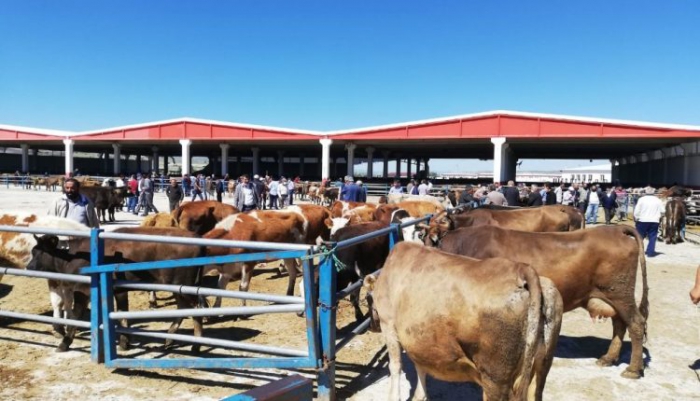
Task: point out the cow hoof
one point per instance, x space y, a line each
152 305
196 349
300 314
59 332
123 344
605 362
62 347
630 374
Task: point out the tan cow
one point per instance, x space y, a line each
339 208
159 220
493 322
594 269
414 209
201 217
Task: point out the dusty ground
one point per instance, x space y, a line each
30 369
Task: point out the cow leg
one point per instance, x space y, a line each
183 302
636 329
122 299
290 266
152 300
421 394
224 279
68 301
246 274
613 354
57 305
393 348
355 301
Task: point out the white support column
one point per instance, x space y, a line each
280 163
224 158
155 161
498 158
68 156
25 157
117 158
386 164
326 157
350 147
256 160
185 143
370 162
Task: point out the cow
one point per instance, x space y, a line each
414 209
493 322
159 220
594 269
201 217
47 256
266 226
105 199
674 220
339 208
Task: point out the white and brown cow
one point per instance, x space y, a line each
493 322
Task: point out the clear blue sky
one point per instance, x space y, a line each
322 65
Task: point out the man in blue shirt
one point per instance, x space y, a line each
350 191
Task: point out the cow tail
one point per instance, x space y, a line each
533 330
644 303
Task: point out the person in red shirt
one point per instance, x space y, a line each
133 188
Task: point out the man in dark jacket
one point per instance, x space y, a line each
609 203
534 199
350 191
246 195
467 197
175 194
512 194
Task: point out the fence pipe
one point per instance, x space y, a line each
212 363
348 290
96 258
310 310
75 278
107 305
327 320
45 230
44 319
209 292
195 312
265 349
361 328
362 238
192 262
261 246
415 221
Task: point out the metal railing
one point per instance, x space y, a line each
318 304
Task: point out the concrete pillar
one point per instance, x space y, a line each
498 156
116 164
427 167
68 143
350 147
301 166
256 161
398 167
139 163
370 162
326 157
155 163
666 153
25 157
224 158
165 165
386 163
409 167
239 168
185 143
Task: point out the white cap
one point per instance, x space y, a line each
256 176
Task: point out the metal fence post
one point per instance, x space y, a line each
327 316
96 258
310 311
393 236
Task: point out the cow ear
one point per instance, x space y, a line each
368 283
215 233
50 241
328 222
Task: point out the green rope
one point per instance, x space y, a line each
325 253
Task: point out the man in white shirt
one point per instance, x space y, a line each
647 214
423 188
396 188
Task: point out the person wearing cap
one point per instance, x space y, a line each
363 191
283 190
534 199
350 191
647 215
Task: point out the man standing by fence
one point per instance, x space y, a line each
175 194
75 206
246 196
647 214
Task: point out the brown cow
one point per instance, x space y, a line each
594 269
48 257
339 208
493 321
414 209
159 220
201 217
674 219
266 226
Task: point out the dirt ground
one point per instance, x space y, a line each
30 369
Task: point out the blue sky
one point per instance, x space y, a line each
322 65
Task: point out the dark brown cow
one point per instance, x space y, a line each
674 219
201 217
106 200
47 257
493 322
595 269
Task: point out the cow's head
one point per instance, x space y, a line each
368 285
337 223
439 226
42 258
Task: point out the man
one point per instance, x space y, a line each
593 198
609 204
283 191
559 192
133 188
350 191
511 194
494 197
290 192
175 194
423 188
186 184
120 181
197 188
396 189
410 186
259 188
147 188
467 197
274 192
246 196
534 199
582 192
647 214
622 201
219 189
363 191
75 206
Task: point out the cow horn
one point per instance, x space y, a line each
422 226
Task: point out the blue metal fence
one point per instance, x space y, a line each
320 314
